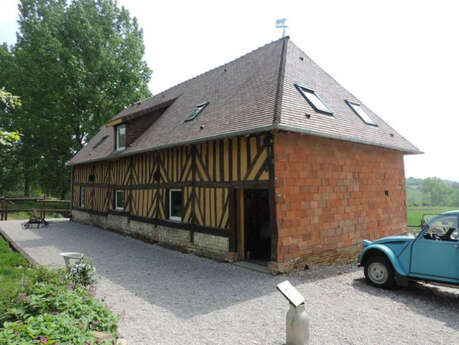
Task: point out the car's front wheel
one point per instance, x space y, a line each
379 272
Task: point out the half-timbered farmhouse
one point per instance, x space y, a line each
265 158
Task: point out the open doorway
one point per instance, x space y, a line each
257 230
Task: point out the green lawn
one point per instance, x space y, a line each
15 272
414 214
30 204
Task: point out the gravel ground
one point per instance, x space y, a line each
166 297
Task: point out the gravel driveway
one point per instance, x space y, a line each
166 297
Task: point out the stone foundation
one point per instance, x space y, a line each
338 256
215 247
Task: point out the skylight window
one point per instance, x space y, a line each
314 100
357 108
100 141
196 111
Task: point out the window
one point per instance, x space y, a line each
196 111
314 100
82 196
119 200
100 142
357 108
120 137
443 227
175 204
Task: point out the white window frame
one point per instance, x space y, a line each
118 147
361 113
116 200
82 196
171 217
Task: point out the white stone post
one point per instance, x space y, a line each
297 326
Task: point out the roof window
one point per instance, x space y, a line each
100 142
357 108
196 111
314 100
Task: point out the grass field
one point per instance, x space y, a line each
28 204
414 214
14 271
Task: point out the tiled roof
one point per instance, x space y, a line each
253 93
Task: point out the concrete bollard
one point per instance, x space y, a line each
297 325
71 256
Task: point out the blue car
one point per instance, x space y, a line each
432 256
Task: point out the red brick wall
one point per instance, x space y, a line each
331 194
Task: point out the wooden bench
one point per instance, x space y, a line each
36 219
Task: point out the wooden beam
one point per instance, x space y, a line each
113 122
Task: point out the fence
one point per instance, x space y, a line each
9 205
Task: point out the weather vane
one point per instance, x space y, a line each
280 24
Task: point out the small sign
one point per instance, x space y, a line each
290 293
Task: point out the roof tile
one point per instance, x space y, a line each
245 96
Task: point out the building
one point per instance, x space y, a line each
265 158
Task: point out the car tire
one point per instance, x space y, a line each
379 272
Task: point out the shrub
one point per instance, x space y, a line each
49 314
37 305
47 329
82 273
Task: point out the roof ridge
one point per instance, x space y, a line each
280 82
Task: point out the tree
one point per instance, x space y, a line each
435 191
8 101
8 173
76 63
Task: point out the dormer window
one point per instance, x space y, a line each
357 108
314 100
120 137
196 111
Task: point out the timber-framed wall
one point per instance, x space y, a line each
208 174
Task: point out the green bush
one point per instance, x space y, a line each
41 306
82 273
53 313
47 329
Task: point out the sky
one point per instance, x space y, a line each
400 58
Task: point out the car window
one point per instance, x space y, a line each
441 228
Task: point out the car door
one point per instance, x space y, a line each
435 257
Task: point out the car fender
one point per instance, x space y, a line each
385 251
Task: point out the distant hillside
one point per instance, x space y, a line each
432 191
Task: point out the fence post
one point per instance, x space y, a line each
43 208
6 208
1 209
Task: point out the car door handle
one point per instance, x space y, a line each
456 246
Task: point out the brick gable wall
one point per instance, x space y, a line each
331 194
